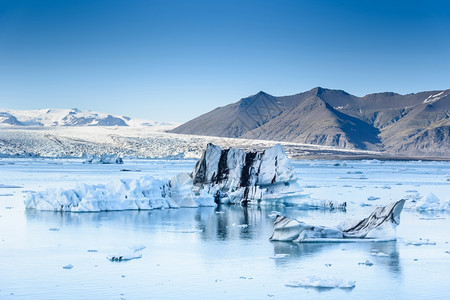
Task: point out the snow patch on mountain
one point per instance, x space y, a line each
434 98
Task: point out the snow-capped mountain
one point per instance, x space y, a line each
72 117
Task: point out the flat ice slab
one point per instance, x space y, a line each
318 282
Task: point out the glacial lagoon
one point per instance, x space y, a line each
223 252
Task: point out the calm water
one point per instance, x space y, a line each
207 253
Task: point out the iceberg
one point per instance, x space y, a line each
238 177
380 225
145 193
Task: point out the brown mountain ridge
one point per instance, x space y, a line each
413 124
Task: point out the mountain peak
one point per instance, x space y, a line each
50 117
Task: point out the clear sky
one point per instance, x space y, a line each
172 60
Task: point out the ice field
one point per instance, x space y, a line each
223 252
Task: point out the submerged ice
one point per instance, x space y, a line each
380 225
221 176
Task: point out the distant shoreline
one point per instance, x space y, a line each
370 157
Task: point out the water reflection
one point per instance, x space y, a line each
389 257
223 224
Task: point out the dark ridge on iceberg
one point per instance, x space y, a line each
247 168
222 171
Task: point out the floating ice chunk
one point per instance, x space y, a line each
366 263
124 256
53 229
103 159
372 198
380 225
318 282
127 254
420 242
68 267
379 254
431 203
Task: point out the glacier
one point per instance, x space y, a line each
380 225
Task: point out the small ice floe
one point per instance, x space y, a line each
448 252
328 265
129 254
92 250
53 229
366 263
7 195
68 267
124 256
372 198
420 242
9 207
318 282
386 187
363 204
280 255
379 254
103 159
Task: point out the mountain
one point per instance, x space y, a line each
413 124
69 117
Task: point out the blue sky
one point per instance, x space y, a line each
172 60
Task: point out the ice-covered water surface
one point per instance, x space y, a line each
225 252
